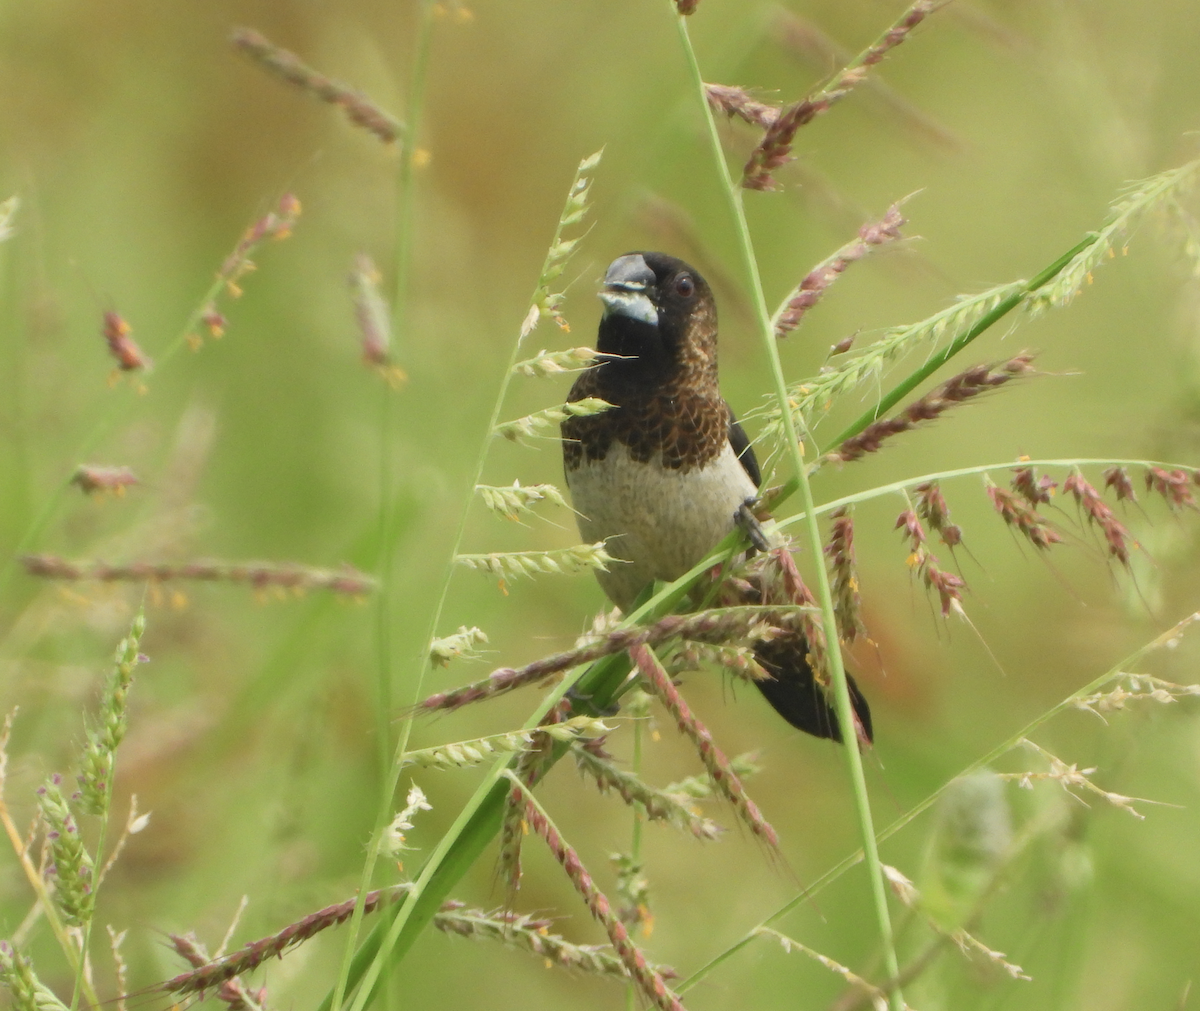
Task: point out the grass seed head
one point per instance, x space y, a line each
26 991
121 345
287 66
809 291
1036 491
72 866
732 101
1118 479
1099 514
1172 485
932 508
93 479
1022 517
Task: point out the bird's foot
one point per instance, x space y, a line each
752 526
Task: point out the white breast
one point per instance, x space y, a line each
659 521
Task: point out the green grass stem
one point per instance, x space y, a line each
841 691
390 764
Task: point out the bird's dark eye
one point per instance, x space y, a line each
684 286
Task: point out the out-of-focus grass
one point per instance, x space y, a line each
141 146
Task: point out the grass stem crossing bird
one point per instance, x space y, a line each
662 476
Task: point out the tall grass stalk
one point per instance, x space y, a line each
841 691
99 765
389 766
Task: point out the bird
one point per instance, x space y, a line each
662 475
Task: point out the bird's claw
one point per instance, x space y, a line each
751 526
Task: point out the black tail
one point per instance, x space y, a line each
795 694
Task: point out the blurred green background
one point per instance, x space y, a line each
141 146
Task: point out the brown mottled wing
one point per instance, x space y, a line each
745 452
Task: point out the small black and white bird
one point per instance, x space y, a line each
662 475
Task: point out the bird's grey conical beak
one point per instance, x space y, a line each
625 286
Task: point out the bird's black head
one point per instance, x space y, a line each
660 316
